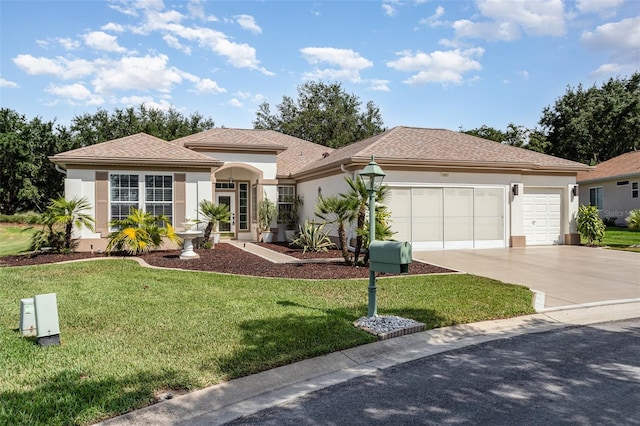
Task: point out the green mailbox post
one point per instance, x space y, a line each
392 257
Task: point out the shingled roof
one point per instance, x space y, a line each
293 153
134 150
625 165
410 146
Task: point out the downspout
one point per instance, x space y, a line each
61 170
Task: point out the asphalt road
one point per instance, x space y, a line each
578 376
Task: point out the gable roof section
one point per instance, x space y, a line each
411 146
134 150
625 165
293 153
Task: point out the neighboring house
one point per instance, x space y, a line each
613 186
447 189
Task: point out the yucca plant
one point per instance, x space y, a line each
633 220
140 232
590 226
312 237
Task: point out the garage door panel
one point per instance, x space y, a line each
542 211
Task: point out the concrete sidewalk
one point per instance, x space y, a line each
227 401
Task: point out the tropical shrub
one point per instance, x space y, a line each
312 237
61 213
633 220
609 221
590 226
140 232
340 211
215 214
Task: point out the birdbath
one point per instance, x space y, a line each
188 236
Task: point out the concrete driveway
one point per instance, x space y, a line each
568 275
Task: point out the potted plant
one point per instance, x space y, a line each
267 213
214 215
291 218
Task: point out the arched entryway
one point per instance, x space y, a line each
236 185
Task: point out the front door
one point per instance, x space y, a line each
228 200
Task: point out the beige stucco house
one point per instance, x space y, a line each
446 189
613 186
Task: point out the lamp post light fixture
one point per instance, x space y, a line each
376 176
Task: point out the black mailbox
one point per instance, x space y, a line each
393 257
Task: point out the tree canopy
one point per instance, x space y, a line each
514 135
324 114
595 124
28 179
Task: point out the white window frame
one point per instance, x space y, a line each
141 201
285 199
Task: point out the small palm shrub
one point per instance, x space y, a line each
214 214
312 237
140 232
50 236
633 220
590 226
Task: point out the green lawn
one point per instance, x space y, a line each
14 238
620 239
129 332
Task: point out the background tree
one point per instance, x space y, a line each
101 126
596 124
514 135
324 114
27 177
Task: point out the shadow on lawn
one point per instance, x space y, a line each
70 397
272 342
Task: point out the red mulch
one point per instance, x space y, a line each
226 258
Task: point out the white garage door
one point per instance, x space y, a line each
542 216
437 218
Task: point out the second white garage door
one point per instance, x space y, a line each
455 217
542 216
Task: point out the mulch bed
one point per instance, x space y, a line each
226 258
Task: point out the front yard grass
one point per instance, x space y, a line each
129 333
15 238
620 239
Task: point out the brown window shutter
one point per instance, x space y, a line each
179 207
102 202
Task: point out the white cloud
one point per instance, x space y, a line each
621 40
136 73
235 103
389 7
379 85
60 67
247 22
434 20
67 43
523 74
8 84
111 26
173 42
437 67
75 94
600 7
209 86
196 10
615 36
148 101
507 19
348 63
102 41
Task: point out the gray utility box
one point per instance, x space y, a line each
393 257
27 317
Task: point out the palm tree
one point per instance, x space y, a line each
359 194
70 213
214 213
140 232
341 211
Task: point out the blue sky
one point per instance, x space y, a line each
425 63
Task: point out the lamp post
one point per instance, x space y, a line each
373 172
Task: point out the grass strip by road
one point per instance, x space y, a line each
621 239
129 333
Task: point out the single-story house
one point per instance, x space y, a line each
446 189
613 186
